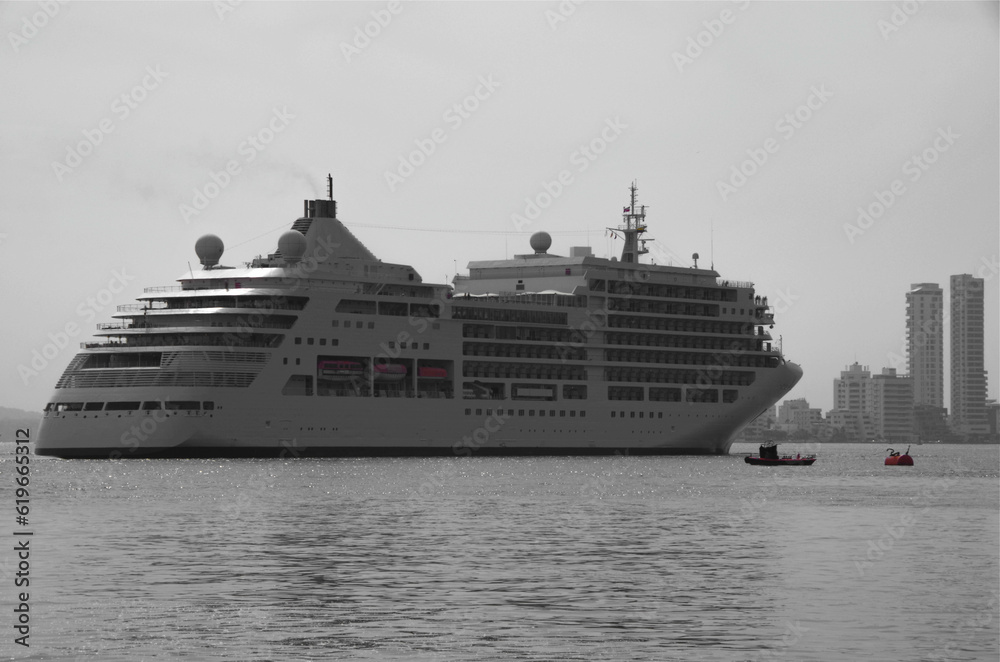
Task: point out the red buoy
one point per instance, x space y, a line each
901 460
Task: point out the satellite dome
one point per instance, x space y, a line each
540 242
292 245
209 249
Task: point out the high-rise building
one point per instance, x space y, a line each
852 402
925 342
892 406
968 374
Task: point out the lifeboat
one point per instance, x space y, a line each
897 459
389 372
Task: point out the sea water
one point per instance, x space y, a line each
563 558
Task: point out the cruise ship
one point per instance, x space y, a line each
320 348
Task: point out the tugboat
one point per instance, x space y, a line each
895 459
769 456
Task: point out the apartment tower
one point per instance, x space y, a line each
925 343
968 373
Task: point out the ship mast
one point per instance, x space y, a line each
632 228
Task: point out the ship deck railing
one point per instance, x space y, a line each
162 288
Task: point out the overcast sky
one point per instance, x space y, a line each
771 123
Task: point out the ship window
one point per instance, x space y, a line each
309 341
298 341
479 412
121 406
335 323
427 345
631 414
531 412
208 405
322 341
93 406
298 361
520 412
562 413
572 414
541 412
552 412
612 414
489 412
583 414
468 412
659 415
71 406
150 406
183 405
640 414
284 361
392 344
371 325
335 341
402 345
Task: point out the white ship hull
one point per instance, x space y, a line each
246 424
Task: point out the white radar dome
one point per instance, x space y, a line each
292 245
540 242
209 249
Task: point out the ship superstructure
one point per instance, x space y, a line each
321 348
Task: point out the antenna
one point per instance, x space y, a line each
632 229
711 244
329 186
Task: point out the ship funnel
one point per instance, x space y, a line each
321 209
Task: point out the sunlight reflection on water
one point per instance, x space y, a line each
618 558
